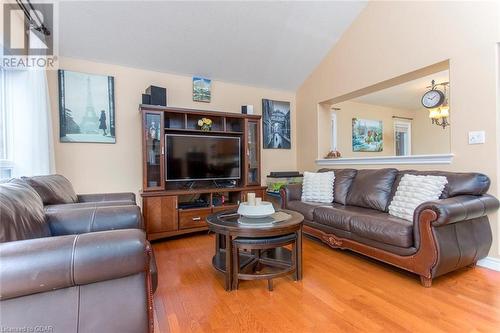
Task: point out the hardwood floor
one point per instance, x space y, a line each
340 292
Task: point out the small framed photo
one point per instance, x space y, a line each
202 89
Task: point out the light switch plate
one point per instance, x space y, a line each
477 137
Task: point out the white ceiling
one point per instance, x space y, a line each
270 44
404 96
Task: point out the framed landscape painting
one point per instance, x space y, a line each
202 89
86 107
276 123
367 135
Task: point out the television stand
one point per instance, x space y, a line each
166 207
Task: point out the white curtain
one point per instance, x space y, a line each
29 126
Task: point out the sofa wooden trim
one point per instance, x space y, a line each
420 263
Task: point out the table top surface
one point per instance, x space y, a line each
227 222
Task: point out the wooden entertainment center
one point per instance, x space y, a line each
163 201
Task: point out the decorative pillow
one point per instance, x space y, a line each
318 187
413 191
53 189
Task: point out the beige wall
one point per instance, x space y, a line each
426 138
393 38
94 167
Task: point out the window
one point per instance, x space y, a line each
402 137
6 165
333 143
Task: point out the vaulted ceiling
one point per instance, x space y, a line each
269 44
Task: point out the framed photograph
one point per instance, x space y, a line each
202 89
276 123
86 107
367 135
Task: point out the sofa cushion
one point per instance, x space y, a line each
53 189
304 208
372 188
383 228
342 184
21 212
339 216
318 187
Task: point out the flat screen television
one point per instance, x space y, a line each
202 157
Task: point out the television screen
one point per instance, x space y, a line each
202 157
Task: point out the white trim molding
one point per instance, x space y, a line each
490 262
384 160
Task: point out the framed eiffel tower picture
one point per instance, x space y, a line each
86 107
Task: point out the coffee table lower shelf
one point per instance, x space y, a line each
271 261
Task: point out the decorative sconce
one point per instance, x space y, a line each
436 101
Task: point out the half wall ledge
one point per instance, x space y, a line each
387 160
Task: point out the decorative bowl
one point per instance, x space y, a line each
252 211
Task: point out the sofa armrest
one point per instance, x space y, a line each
459 208
290 192
98 197
45 264
82 220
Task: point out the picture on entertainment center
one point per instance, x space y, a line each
276 122
86 107
367 135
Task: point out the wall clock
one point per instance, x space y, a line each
432 99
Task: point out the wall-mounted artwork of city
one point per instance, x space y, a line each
276 123
86 108
367 135
202 89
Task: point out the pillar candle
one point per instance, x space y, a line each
251 199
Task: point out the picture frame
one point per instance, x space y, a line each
86 108
367 135
276 124
202 89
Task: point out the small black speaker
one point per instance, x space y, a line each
158 95
146 99
247 109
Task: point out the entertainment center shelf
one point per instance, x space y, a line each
175 205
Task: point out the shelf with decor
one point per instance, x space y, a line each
166 207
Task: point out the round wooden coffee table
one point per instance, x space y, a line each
225 226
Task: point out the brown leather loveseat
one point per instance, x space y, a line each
445 235
74 267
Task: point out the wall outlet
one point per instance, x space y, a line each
477 137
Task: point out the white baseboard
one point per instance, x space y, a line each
490 262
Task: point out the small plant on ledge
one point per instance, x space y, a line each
205 124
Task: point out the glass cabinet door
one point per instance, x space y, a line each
253 153
153 129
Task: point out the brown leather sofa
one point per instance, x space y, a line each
445 235
73 269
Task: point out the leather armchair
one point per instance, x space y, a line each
92 282
78 270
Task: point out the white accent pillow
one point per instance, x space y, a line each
413 191
318 186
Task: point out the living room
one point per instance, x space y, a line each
249 166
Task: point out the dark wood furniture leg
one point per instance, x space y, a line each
229 263
299 254
236 266
217 243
